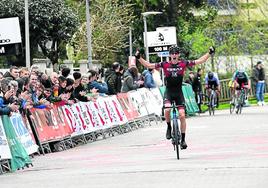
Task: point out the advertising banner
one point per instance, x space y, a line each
4 147
23 134
129 109
137 100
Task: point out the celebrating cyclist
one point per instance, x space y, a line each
212 82
241 80
174 71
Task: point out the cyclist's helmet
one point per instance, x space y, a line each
240 72
174 49
210 75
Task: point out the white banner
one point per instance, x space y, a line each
10 31
4 147
23 134
137 100
158 101
115 111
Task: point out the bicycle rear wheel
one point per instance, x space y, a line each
176 137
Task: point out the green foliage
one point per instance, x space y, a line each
52 24
110 21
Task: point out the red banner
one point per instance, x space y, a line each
50 123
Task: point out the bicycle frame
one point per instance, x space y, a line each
175 128
241 100
212 101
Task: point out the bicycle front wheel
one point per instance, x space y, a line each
232 108
176 137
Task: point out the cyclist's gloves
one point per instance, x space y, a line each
212 50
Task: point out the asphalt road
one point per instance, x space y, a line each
224 151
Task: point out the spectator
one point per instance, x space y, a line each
190 78
129 82
113 79
13 73
148 78
197 86
259 81
157 77
24 72
79 90
62 84
94 82
65 72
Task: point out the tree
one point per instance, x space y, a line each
110 21
52 24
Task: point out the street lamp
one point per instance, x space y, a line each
89 48
145 14
27 35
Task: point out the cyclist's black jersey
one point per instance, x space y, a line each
174 74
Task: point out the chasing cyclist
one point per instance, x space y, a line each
174 71
241 80
212 82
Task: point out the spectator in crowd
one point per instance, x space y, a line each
7 105
65 72
34 69
79 90
32 87
129 78
62 84
24 72
258 75
148 78
85 81
197 86
157 77
113 79
96 83
69 91
190 78
13 73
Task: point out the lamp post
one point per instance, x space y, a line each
27 35
88 34
145 14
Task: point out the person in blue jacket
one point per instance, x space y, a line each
148 78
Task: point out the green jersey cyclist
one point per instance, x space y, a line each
174 70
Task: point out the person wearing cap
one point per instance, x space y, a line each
259 82
174 70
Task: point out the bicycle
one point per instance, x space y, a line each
212 102
175 128
240 100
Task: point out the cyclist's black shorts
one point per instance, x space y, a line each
177 97
241 85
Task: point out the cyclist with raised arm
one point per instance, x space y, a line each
241 80
174 71
212 82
